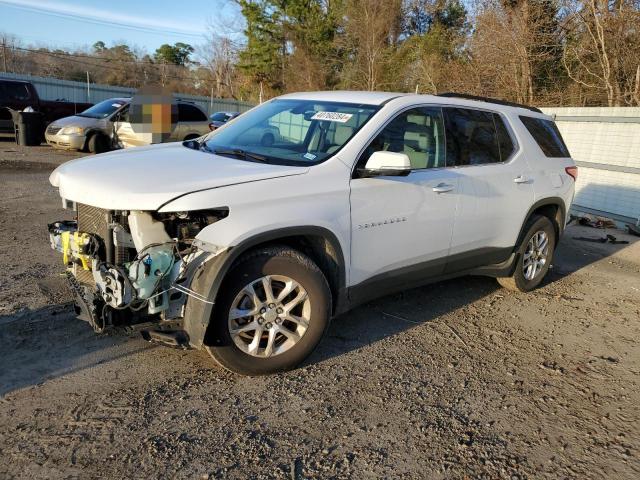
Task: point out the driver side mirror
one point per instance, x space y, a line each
386 164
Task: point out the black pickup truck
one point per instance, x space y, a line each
19 94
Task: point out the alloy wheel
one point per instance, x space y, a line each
536 255
269 316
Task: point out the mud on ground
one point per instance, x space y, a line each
457 379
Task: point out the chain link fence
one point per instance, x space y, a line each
82 92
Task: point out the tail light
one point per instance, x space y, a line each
212 127
572 172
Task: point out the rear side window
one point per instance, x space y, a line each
471 137
547 136
190 113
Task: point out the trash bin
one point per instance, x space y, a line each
28 127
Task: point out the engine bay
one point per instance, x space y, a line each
130 267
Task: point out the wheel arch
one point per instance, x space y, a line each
319 243
554 209
90 133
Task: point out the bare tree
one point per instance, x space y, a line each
371 30
516 49
601 52
219 55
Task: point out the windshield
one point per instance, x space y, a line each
102 109
291 132
220 117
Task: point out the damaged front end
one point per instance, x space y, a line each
133 268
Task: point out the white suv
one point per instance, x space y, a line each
247 247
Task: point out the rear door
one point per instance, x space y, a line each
495 187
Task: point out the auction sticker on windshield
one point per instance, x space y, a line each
332 116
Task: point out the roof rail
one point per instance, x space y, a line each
488 100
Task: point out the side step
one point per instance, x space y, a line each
174 339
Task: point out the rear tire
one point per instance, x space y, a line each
535 254
98 143
258 334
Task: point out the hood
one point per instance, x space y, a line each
77 121
144 178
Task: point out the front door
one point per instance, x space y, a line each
402 226
125 134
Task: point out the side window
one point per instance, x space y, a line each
418 133
190 113
504 139
471 137
16 91
547 136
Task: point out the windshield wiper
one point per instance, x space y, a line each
202 145
236 152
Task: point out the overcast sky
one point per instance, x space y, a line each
144 24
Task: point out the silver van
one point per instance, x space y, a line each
192 123
91 130
106 126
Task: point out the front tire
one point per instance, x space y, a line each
273 310
535 254
98 143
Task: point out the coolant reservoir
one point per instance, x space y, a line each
155 253
145 230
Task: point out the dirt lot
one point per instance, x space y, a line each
458 379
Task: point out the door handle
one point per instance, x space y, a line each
522 179
442 188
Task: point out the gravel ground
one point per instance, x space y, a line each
457 379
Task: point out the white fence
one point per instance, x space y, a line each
605 143
55 89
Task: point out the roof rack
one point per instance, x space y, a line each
488 100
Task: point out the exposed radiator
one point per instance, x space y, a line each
96 220
93 220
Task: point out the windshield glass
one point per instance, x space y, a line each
220 117
291 132
102 109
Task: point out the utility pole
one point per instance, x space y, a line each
88 89
4 54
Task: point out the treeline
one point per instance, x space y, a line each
543 52
170 65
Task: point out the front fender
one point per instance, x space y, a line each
209 276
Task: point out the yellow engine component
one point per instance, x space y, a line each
74 247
